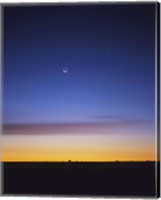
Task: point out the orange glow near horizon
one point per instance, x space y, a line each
79 147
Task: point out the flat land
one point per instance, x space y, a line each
136 179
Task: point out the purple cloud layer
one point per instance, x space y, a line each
74 128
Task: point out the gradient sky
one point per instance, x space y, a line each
103 108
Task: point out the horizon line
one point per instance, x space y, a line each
70 161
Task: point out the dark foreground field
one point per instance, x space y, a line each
80 178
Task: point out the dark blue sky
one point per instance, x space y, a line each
108 49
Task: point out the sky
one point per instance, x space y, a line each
103 107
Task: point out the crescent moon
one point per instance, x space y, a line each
65 70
